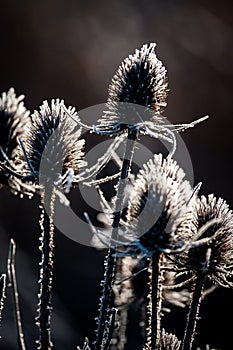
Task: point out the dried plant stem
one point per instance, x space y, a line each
193 313
2 293
46 272
121 302
13 284
154 303
107 297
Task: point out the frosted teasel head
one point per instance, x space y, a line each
169 341
212 251
137 92
159 202
52 146
137 97
141 79
13 120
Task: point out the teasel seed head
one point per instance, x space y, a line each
52 144
159 204
169 341
13 120
138 89
214 257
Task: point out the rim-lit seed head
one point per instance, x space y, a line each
215 257
159 204
52 143
169 341
140 79
13 119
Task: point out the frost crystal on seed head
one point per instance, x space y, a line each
13 120
214 257
159 203
139 80
52 144
169 341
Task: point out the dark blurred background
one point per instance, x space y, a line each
71 49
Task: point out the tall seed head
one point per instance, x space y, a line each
138 89
52 143
218 263
13 120
159 203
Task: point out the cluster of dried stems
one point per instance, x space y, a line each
165 244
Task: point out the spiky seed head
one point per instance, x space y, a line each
219 266
52 143
140 81
169 341
159 203
13 120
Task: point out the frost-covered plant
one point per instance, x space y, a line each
53 151
13 120
159 232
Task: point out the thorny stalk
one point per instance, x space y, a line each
154 302
107 298
194 310
46 272
13 284
2 293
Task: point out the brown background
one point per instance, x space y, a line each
71 49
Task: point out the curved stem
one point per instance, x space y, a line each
107 297
46 271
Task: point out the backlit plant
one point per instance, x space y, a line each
159 233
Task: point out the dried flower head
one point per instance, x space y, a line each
140 79
13 119
169 341
213 257
136 98
137 92
159 202
51 145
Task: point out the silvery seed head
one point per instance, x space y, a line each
214 257
169 341
52 144
138 89
13 119
159 204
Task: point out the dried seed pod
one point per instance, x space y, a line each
13 120
52 145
